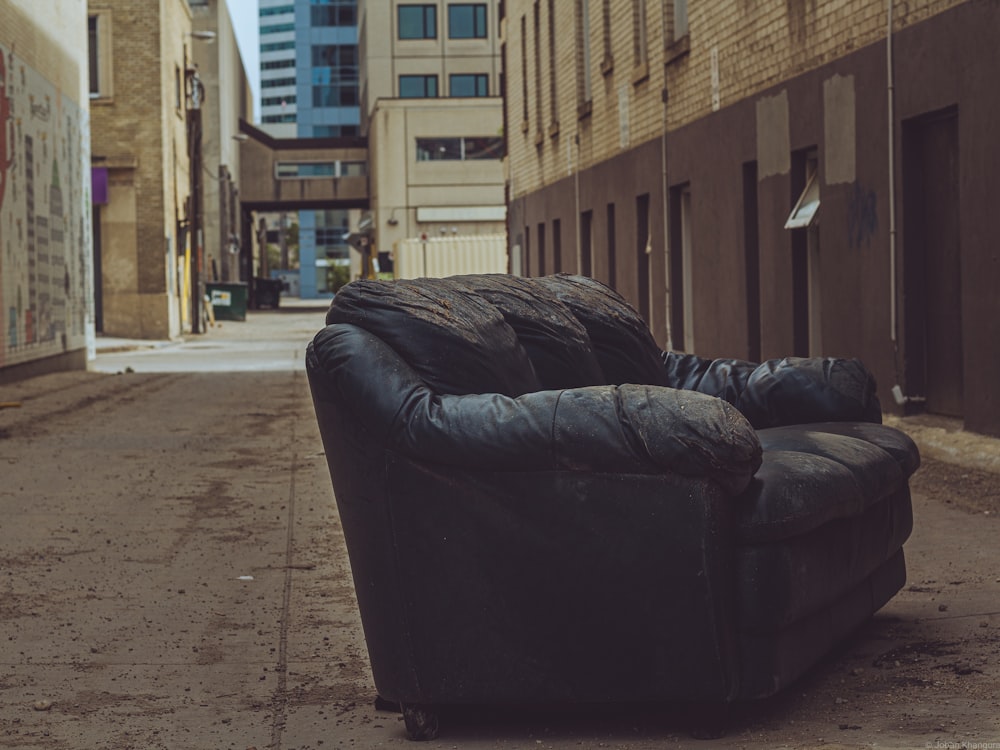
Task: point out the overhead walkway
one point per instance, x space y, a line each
291 174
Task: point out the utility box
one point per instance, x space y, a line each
228 300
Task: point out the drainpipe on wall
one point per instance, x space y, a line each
890 93
898 396
666 211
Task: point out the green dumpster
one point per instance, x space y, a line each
228 300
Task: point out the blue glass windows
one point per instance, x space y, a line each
467 21
468 84
417 21
418 87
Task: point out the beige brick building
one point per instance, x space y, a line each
663 146
432 113
139 140
46 309
154 249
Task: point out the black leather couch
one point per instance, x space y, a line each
541 506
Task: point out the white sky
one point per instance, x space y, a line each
244 16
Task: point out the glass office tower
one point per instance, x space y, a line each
309 89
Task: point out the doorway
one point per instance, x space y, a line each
932 283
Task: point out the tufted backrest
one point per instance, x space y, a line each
495 333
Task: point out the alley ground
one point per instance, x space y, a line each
173 575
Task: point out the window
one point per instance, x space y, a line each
334 131
95 87
467 21
680 19
330 236
99 54
275 64
607 62
334 96
524 73
270 83
675 29
804 212
418 87
298 170
538 71
277 28
178 88
337 14
277 10
305 169
417 21
335 75
276 46
468 84
640 43
277 101
583 87
288 117
553 92
334 55
469 148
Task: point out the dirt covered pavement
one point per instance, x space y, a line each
172 575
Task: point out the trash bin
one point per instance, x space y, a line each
267 292
229 300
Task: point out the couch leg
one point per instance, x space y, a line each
421 722
709 721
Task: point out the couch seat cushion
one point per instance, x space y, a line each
813 474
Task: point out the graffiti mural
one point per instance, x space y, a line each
45 248
862 215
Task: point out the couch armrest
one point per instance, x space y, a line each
778 392
630 428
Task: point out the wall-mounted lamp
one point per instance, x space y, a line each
241 137
205 36
392 221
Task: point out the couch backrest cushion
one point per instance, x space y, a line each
455 340
556 342
620 337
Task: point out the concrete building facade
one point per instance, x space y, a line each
228 99
432 112
46 304
771 179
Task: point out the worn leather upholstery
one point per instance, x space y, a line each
540 505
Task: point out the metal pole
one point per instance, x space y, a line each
890 92
665 96
195 93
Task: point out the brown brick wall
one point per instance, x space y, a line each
758 45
